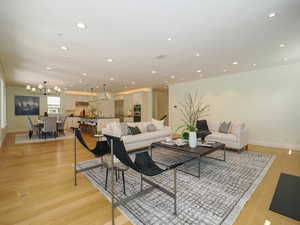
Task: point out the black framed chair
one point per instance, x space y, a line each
145 166
101 149
202 129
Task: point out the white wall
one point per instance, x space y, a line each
3 107
267 100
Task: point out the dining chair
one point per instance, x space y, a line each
31 127
49 127
61 124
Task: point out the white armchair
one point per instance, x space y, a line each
237 138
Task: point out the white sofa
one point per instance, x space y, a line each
237 138
142 140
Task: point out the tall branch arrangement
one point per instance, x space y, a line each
192 109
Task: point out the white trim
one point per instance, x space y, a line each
275 145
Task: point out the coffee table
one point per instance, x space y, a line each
195 153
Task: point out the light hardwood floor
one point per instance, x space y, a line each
36 187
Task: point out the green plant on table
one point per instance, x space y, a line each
192 109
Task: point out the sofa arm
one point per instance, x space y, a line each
243 137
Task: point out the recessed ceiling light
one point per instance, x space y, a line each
81 25
173 77
109 60
64 48
48 68
271 15
111 78
132 82
199 71
235 63
225 70
84 74
169 39
254 64
80 81
282 45
153 71
290 152
197 54
285 58
267 222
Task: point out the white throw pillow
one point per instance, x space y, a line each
159 124
116 129
213 126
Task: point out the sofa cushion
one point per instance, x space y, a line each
159 124
146 136
220 137
124 129
151 128
213 126
237 128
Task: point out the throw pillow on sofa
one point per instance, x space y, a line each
225 127
151 128
134 130
124 129
159 124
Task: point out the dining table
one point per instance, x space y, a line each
40 125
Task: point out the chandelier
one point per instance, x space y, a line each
42 89
104 95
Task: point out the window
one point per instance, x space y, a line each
53 104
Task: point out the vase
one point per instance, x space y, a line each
192 139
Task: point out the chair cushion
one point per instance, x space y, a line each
221 137
202 125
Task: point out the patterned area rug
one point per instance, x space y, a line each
214 199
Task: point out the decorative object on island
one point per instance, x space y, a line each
192 109
43 89
27 105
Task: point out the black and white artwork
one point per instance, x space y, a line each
27 105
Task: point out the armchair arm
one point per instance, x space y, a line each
243 137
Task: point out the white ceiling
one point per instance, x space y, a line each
134 32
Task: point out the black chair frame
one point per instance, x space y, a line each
144 165
100 150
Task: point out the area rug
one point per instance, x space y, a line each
24 138
216 198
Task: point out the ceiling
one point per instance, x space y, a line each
207 35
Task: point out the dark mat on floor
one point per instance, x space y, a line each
286 200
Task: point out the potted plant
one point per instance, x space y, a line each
192 109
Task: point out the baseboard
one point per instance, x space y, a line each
276 145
